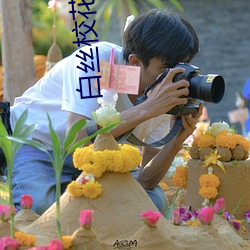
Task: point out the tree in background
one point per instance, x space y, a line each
17 48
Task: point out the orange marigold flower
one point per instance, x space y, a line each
209 180
225 139
242 141
208 192
180 177
206 141
164 186
67 242
24 239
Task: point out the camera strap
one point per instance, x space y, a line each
131 138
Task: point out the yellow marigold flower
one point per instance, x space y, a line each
93 169
27 240
208 192
83 156
67 242
131 157
92 189
97 162
75 189
164 186
180 177
206 141
226 140
209 180
193 223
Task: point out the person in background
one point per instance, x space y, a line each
154 41
246 99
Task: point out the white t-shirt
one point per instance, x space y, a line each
58 92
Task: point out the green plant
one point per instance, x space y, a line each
10 148
60 152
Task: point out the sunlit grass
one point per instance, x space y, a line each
4 193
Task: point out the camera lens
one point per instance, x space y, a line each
209 88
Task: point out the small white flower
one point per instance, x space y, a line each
217 127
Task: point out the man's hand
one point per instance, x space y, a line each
167 94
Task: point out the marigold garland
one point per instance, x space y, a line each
24 239
208 186
209 180
95 163
206 141
226 139
208 192
98 162
180 177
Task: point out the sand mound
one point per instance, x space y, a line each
117 224
234 185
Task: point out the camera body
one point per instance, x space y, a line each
209 88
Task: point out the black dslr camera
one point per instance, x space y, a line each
209 88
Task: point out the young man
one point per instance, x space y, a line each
154 41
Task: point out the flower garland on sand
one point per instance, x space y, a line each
180 177
208 186
105 154
222 142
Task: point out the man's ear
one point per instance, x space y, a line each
134 60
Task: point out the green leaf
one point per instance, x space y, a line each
56 147
5 144
20 123
71 136
172 207
23 134
35 144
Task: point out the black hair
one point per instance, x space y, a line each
162 34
